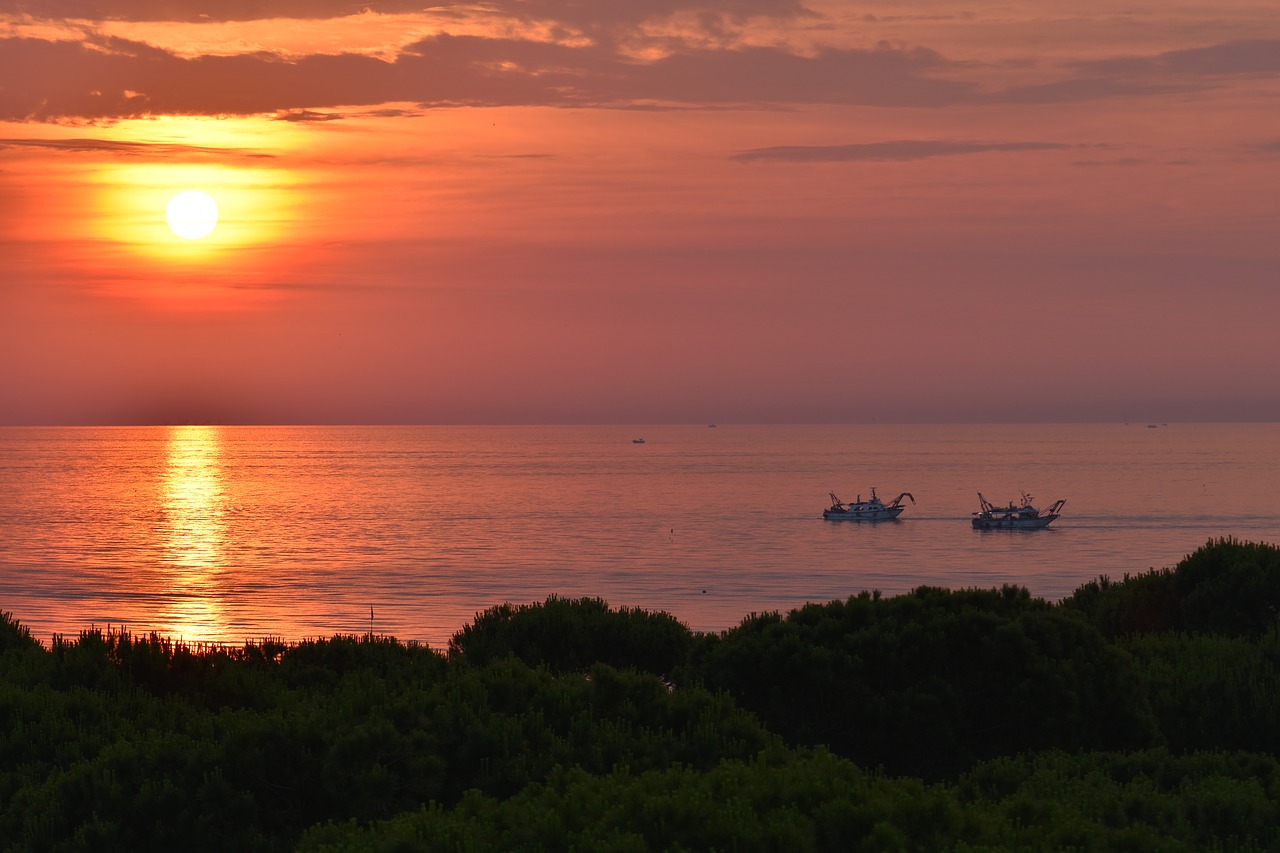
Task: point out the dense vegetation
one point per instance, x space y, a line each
1142 714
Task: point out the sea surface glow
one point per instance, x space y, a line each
228 534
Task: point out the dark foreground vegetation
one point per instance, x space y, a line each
1140 714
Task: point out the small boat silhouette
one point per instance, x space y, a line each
869 510
1024 516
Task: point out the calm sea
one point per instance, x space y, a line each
234 533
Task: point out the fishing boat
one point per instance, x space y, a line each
873 509
637 441
1024 516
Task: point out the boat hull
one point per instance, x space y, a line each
1000 523
886 514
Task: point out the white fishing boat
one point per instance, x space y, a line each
1024 516
873 509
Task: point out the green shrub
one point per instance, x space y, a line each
1225 587
1211 692
571 634
14 636
929 682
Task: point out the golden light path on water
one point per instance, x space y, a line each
233 534
193 535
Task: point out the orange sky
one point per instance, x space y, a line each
653 211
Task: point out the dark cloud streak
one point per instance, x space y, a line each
903 149
584 13
1256 56
131 149
1164 73
109 78
308 116
201 11
113 78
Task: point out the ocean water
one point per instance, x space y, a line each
229 534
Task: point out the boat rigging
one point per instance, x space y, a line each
1024 516
873 509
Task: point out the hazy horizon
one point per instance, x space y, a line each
620 424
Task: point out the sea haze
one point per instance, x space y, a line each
226 534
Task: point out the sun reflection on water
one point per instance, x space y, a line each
193 533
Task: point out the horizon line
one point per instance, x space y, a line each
701 424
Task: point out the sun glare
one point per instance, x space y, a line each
200 252
192 214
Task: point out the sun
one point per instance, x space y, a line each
192 214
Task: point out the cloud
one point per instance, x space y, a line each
766 75
574 12
1257 56
308 116
1163 73
1090 89
110 78
200 11
389 112
115 78
130 149
905 149
1119 161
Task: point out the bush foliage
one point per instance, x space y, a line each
570 635
1141 715
929 682
1226 587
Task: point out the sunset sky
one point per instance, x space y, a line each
693 211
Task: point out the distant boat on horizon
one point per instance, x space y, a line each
637 441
